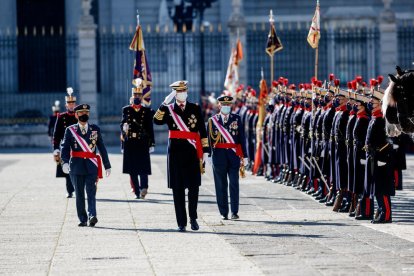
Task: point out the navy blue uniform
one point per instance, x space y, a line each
225 161
83 172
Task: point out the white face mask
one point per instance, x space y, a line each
182 96
225 109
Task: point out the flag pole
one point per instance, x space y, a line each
272 21
316 61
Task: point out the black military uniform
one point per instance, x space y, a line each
52 120
365 206
378 172
63 120
138 139
341 166
327 120
187 141
352 199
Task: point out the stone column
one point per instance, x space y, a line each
388 40
87 61
237 27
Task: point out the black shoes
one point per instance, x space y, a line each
234 216
194 225
224 217
361 217
82 224
93 221
181 229
69 195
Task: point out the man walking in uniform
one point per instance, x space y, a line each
228 148
187 151
138 141
80 161
64 120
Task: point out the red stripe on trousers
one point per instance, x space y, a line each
368 206
387 208
396 178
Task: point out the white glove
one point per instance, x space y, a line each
245 161
125 127
151 149
170 97
108 172
380 164
56 152
363 161
65 168
395 146
205 157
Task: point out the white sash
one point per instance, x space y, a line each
83 144
227 136
180 123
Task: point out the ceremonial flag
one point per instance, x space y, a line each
232 76
141 67
315 30
273 42
262 113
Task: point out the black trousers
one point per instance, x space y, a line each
135 183
179 204
69 186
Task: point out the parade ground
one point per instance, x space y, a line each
281 231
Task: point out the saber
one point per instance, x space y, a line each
304 163
310 161
320 171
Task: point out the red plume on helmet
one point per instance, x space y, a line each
319 83
380 79
358 79
314 80
275 83
286 81
349 85
331 77
301 86
336 82
373 82
354 84
292 86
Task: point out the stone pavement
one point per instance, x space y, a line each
280 230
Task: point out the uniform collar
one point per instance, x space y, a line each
84 127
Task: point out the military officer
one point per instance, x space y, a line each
365 206
187 151
339 137
138 141
379 180
228 150
80 161
64 120
52 120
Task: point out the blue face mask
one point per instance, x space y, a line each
225 109
370 106
327 99
322 102
137 101
349 106
316 102
307 105
355 108
287 99
335 103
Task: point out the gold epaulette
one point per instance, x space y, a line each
159 115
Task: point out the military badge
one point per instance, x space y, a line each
94 135
234 125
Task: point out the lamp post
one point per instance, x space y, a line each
182 15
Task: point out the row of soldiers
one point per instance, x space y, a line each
328 142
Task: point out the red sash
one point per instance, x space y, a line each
82 154
239 151
177 134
